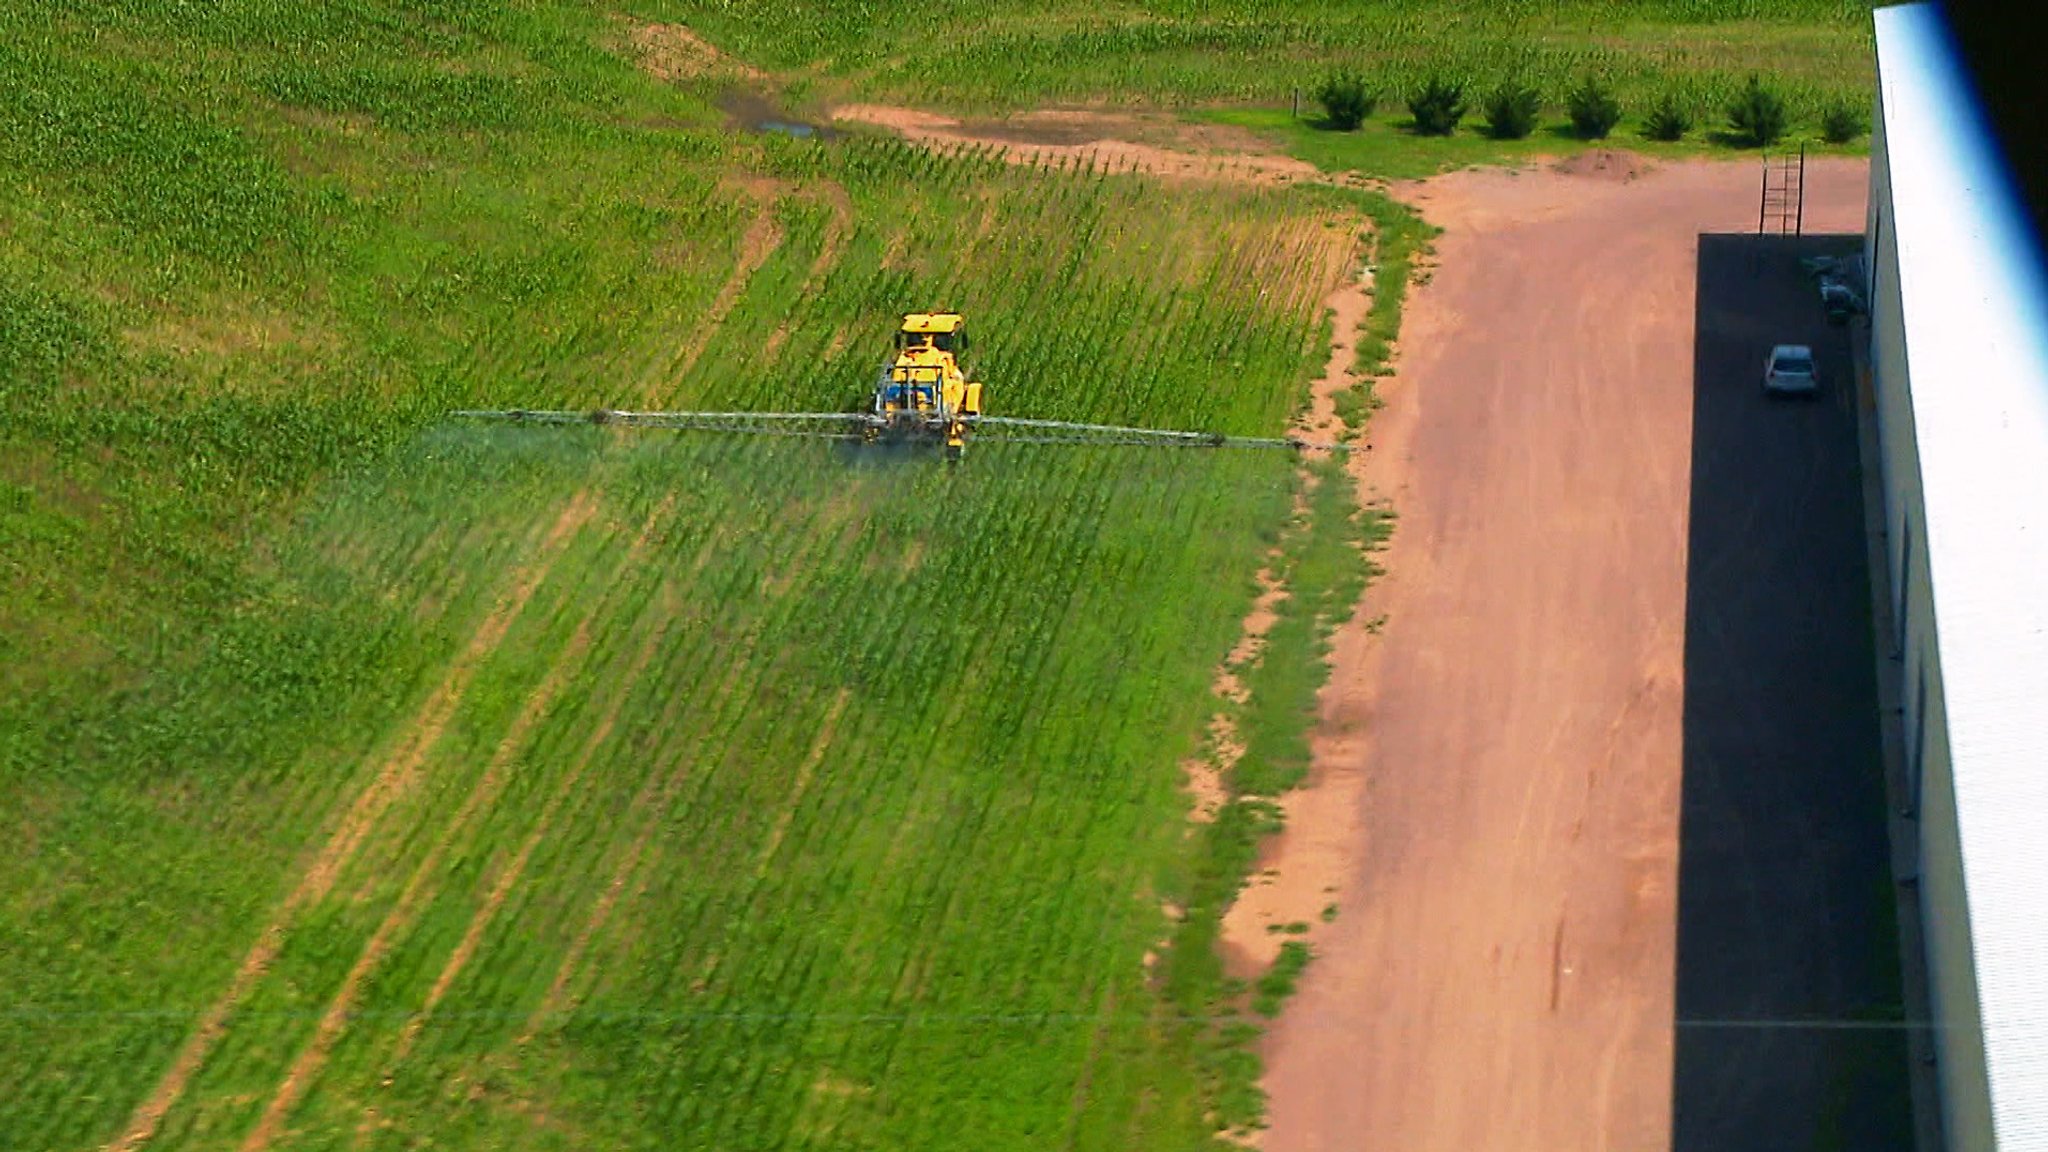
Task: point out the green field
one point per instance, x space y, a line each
377 780
386 780
1259 66
1008 55
739 788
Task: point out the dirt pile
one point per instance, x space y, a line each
1604 164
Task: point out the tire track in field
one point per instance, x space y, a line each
826 730
823 539
925 903
480 923
656 792
393 779
773 971
744 900
935 898
421 886
661 789
1105 1013
837 228
762 237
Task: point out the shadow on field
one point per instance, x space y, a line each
1787 942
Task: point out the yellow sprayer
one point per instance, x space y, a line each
923 395
923 391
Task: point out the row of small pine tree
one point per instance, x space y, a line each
1757 117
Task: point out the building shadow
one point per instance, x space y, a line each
1788 986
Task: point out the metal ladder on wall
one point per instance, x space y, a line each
1782 207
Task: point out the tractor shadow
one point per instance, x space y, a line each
1787 975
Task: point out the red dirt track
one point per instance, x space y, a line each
1504 755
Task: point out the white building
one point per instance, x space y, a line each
1959 348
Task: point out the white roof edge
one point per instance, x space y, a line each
1975 308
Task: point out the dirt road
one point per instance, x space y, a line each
1500 765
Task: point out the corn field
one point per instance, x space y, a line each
1005 57
741 789
378 782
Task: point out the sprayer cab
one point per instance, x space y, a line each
923 392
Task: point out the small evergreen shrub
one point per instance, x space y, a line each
1437 106
1346 100
1843 123
1593 109
1511 111
1758 117
1669 120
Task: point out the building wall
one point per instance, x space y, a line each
1944 904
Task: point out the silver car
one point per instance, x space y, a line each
1789 371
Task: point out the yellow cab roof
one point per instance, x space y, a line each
932 322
